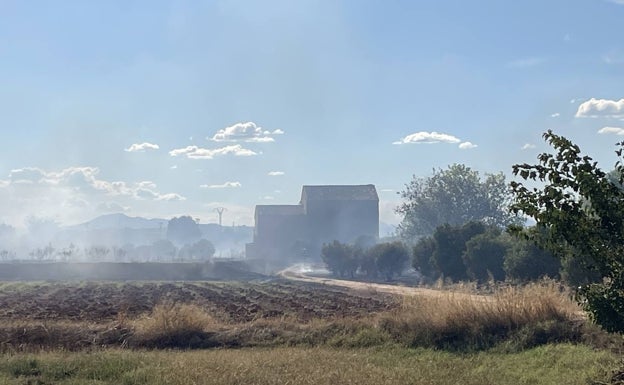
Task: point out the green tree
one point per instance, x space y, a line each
576 271
201 250
422 252
391 258
453 196
579 211
163 250
366 260
339 259
525 261
485 254
451 246
183 230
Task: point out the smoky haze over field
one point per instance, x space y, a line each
119 238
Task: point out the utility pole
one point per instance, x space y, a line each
220 211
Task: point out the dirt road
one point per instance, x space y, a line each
296 273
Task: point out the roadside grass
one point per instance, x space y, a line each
548 364
518 317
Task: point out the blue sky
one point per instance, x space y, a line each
237 103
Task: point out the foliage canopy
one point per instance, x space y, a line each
579 211
455 196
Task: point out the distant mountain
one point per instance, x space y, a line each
120 229
122 221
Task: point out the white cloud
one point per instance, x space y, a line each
268 198
595 108
174 167
428 137
555 115
245 132
141 147
527 146
73 194
611 130
83 179
386 190
621 2
224 185
467 145
146 184
276 173
613 57
526 62
194 152
170 197
26 175
111 207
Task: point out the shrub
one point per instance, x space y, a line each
525 261
339 259
422 253
484 256
451 245
391 258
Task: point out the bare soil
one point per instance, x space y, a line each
102 302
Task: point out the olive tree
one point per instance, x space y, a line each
339 259
391 258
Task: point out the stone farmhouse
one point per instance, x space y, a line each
285 233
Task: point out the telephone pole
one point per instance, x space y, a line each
220 211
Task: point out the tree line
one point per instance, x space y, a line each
183 242
462 226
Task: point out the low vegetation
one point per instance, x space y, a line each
509 317
202 315
560 364
503 334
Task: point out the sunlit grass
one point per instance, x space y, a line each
533 314
550 364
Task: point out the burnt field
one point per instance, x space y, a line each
227 302
89 315
84 315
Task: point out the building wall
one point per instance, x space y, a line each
276 234
342 220
282 236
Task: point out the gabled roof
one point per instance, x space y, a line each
279 210
365 192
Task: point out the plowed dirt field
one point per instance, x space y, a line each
102 302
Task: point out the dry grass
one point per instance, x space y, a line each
510 318
30 335
173 324
536 313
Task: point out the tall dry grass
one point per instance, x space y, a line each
533 314
172 324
